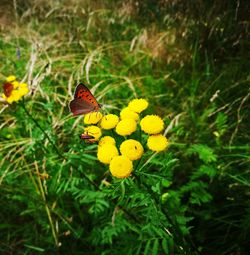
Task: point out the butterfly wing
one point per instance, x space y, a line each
86 136
83 102
7 89
78 107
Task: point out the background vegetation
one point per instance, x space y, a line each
190 59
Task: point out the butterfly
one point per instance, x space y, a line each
7 89
83 102
87 138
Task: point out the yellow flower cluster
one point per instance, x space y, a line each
13 90
120 157
120 166
154 125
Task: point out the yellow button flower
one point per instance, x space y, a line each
132 149
13 90
14 97
11 78
126 127
121 167
126 113
157 143
92 118
7 99
21 85
93 131
109 121
16 84
23 89
107 139
16 94
138 105
106 152
152 124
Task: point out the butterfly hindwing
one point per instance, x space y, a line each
86 137
83 102
78 107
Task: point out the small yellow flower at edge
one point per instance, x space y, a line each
157 142
16 84
106 152
132 149
14 97
152 124
138 105
121 166
15 90
126 127
11 78
109 121
23 89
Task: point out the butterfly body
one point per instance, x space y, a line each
83 102
87 138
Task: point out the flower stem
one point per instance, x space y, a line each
40 127
52 143
46 206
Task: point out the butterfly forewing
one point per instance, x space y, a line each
83 102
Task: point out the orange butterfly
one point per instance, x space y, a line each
7 89
83 102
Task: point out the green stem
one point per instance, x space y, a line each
46 206
177 233
51 142
39 126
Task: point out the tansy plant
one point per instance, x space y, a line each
116 147
13 90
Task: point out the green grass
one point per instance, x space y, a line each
193 69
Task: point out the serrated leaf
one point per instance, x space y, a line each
204 170
205 153
208 170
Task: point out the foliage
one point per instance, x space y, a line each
192 67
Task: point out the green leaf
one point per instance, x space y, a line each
147 248
221 123
210 171
155 247
205 153
164 246
35 248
